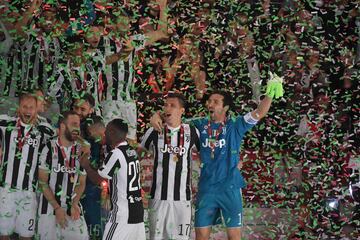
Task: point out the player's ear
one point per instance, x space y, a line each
226 108
62 125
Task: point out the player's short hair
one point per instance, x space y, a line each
65 115
180 97
95 120
87 97
119 127
27 94
228 100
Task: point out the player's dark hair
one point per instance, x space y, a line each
87 97
180 97
27 94
228 100
65 115
95 120
119 129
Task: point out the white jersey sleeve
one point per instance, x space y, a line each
45 157
148 140
111 164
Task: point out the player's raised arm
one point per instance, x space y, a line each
274 89
161 32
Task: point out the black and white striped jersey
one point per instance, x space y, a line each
29 65
71 80
119 76
172 161
122 168
20 144
63 174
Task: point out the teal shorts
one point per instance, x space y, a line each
214 208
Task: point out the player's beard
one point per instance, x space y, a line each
70 135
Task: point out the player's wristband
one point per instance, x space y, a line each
249 119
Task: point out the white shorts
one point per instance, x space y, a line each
124 231
47 228
124 110
169 219
17 212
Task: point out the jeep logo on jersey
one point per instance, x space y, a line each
29 141
64 169
130 152
218 143
133 199
173 150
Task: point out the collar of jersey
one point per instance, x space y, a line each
57 143
174 128
122 144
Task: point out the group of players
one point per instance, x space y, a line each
57 162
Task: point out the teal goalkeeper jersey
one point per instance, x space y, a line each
220 151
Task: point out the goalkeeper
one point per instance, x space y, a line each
220 183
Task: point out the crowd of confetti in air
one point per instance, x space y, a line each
301 162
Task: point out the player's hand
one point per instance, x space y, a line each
127 46
75 211
35 4
60 216
156 121
274 88
85 146
199 94
85 150
105 201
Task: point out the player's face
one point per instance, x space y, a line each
82 108
173 110
97 133
28 110
93 36
109 136
46 21
215 106
185 46
72 127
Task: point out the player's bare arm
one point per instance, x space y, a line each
60 213
161 32
275 90
78 191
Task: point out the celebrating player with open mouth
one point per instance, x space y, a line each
221 181
170 205
20 140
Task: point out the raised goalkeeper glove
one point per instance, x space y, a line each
274 88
